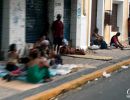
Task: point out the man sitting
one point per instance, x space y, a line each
96 38
115 42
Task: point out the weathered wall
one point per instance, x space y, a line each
13 23
107 28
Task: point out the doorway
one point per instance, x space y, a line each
93 15
67 18
36 19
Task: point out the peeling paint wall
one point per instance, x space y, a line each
13 23
17 22
58 8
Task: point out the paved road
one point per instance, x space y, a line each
112 88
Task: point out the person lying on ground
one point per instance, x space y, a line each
66 48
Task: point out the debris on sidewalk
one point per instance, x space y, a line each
96 79
124 67
105 74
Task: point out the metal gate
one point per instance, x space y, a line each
36 19
67 18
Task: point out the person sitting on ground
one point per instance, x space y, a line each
44 48
38 68
115 42
54 58
13 58
96 38
43 45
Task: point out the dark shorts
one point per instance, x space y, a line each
11 67
57 41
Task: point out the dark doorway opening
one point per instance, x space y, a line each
36 19
94 15
67 18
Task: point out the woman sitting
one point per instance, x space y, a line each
37 68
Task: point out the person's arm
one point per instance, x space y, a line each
98 36
117 42
43 62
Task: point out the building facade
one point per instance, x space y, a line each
23 21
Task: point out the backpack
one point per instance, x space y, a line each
103 45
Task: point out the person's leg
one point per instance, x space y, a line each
44 71
45 74
55 42
11 67
59 42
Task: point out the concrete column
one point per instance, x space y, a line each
84 25
125 21
13 23
107 28
78 27
79 24
58 8
89 13
100 16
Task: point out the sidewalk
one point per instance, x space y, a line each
117 54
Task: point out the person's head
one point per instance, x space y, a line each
96 30
12 47
118 34
58 16
45 43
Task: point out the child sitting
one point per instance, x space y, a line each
12 58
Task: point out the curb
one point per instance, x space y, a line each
48 94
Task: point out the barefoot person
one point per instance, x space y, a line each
115 42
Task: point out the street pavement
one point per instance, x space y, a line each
116 87
117 54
